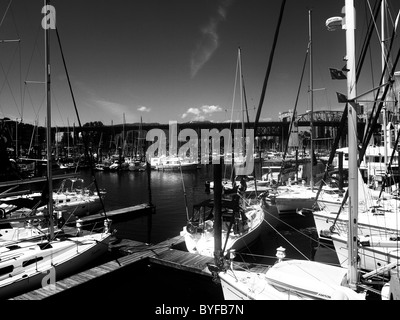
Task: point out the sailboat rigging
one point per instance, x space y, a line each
301 279
27 265
292 198
242 219
378 225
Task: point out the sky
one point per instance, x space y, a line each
174 60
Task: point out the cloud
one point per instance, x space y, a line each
209 41
144 109
211 109
194 111
200 114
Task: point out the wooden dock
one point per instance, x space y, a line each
133 251
123 214
129 252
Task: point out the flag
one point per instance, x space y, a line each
341 97
314 159
337 74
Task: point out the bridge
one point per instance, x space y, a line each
269 135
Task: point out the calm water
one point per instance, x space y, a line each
168 191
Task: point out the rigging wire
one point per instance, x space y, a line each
184 192
5 13
269 67
231 122
344 115
88 152
294 229
6 81
294 113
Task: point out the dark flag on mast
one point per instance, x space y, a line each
337 74
314 159
341 97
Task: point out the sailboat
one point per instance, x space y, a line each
378 227
293 197
27 265
137 163
302 279
241 225
242 217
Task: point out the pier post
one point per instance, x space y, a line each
79 227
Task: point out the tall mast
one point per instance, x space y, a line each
48 104
383 46
123 134
68 138
353 151
311 101
241 101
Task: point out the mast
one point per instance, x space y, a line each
383 54
68 138
48 104
123 134
353 151
241 102
311 102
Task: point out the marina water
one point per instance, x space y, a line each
171 193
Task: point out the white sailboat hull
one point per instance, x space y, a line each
28 267
370 257
288 280
294 199
369 224
203 242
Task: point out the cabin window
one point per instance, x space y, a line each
5 225
13 247
6 270
60 201
68 200
43 246
31 261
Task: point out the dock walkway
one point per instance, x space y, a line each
161 253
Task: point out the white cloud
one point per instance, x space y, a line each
200 114
144 109
209 41
211 109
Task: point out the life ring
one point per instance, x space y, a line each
334 23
